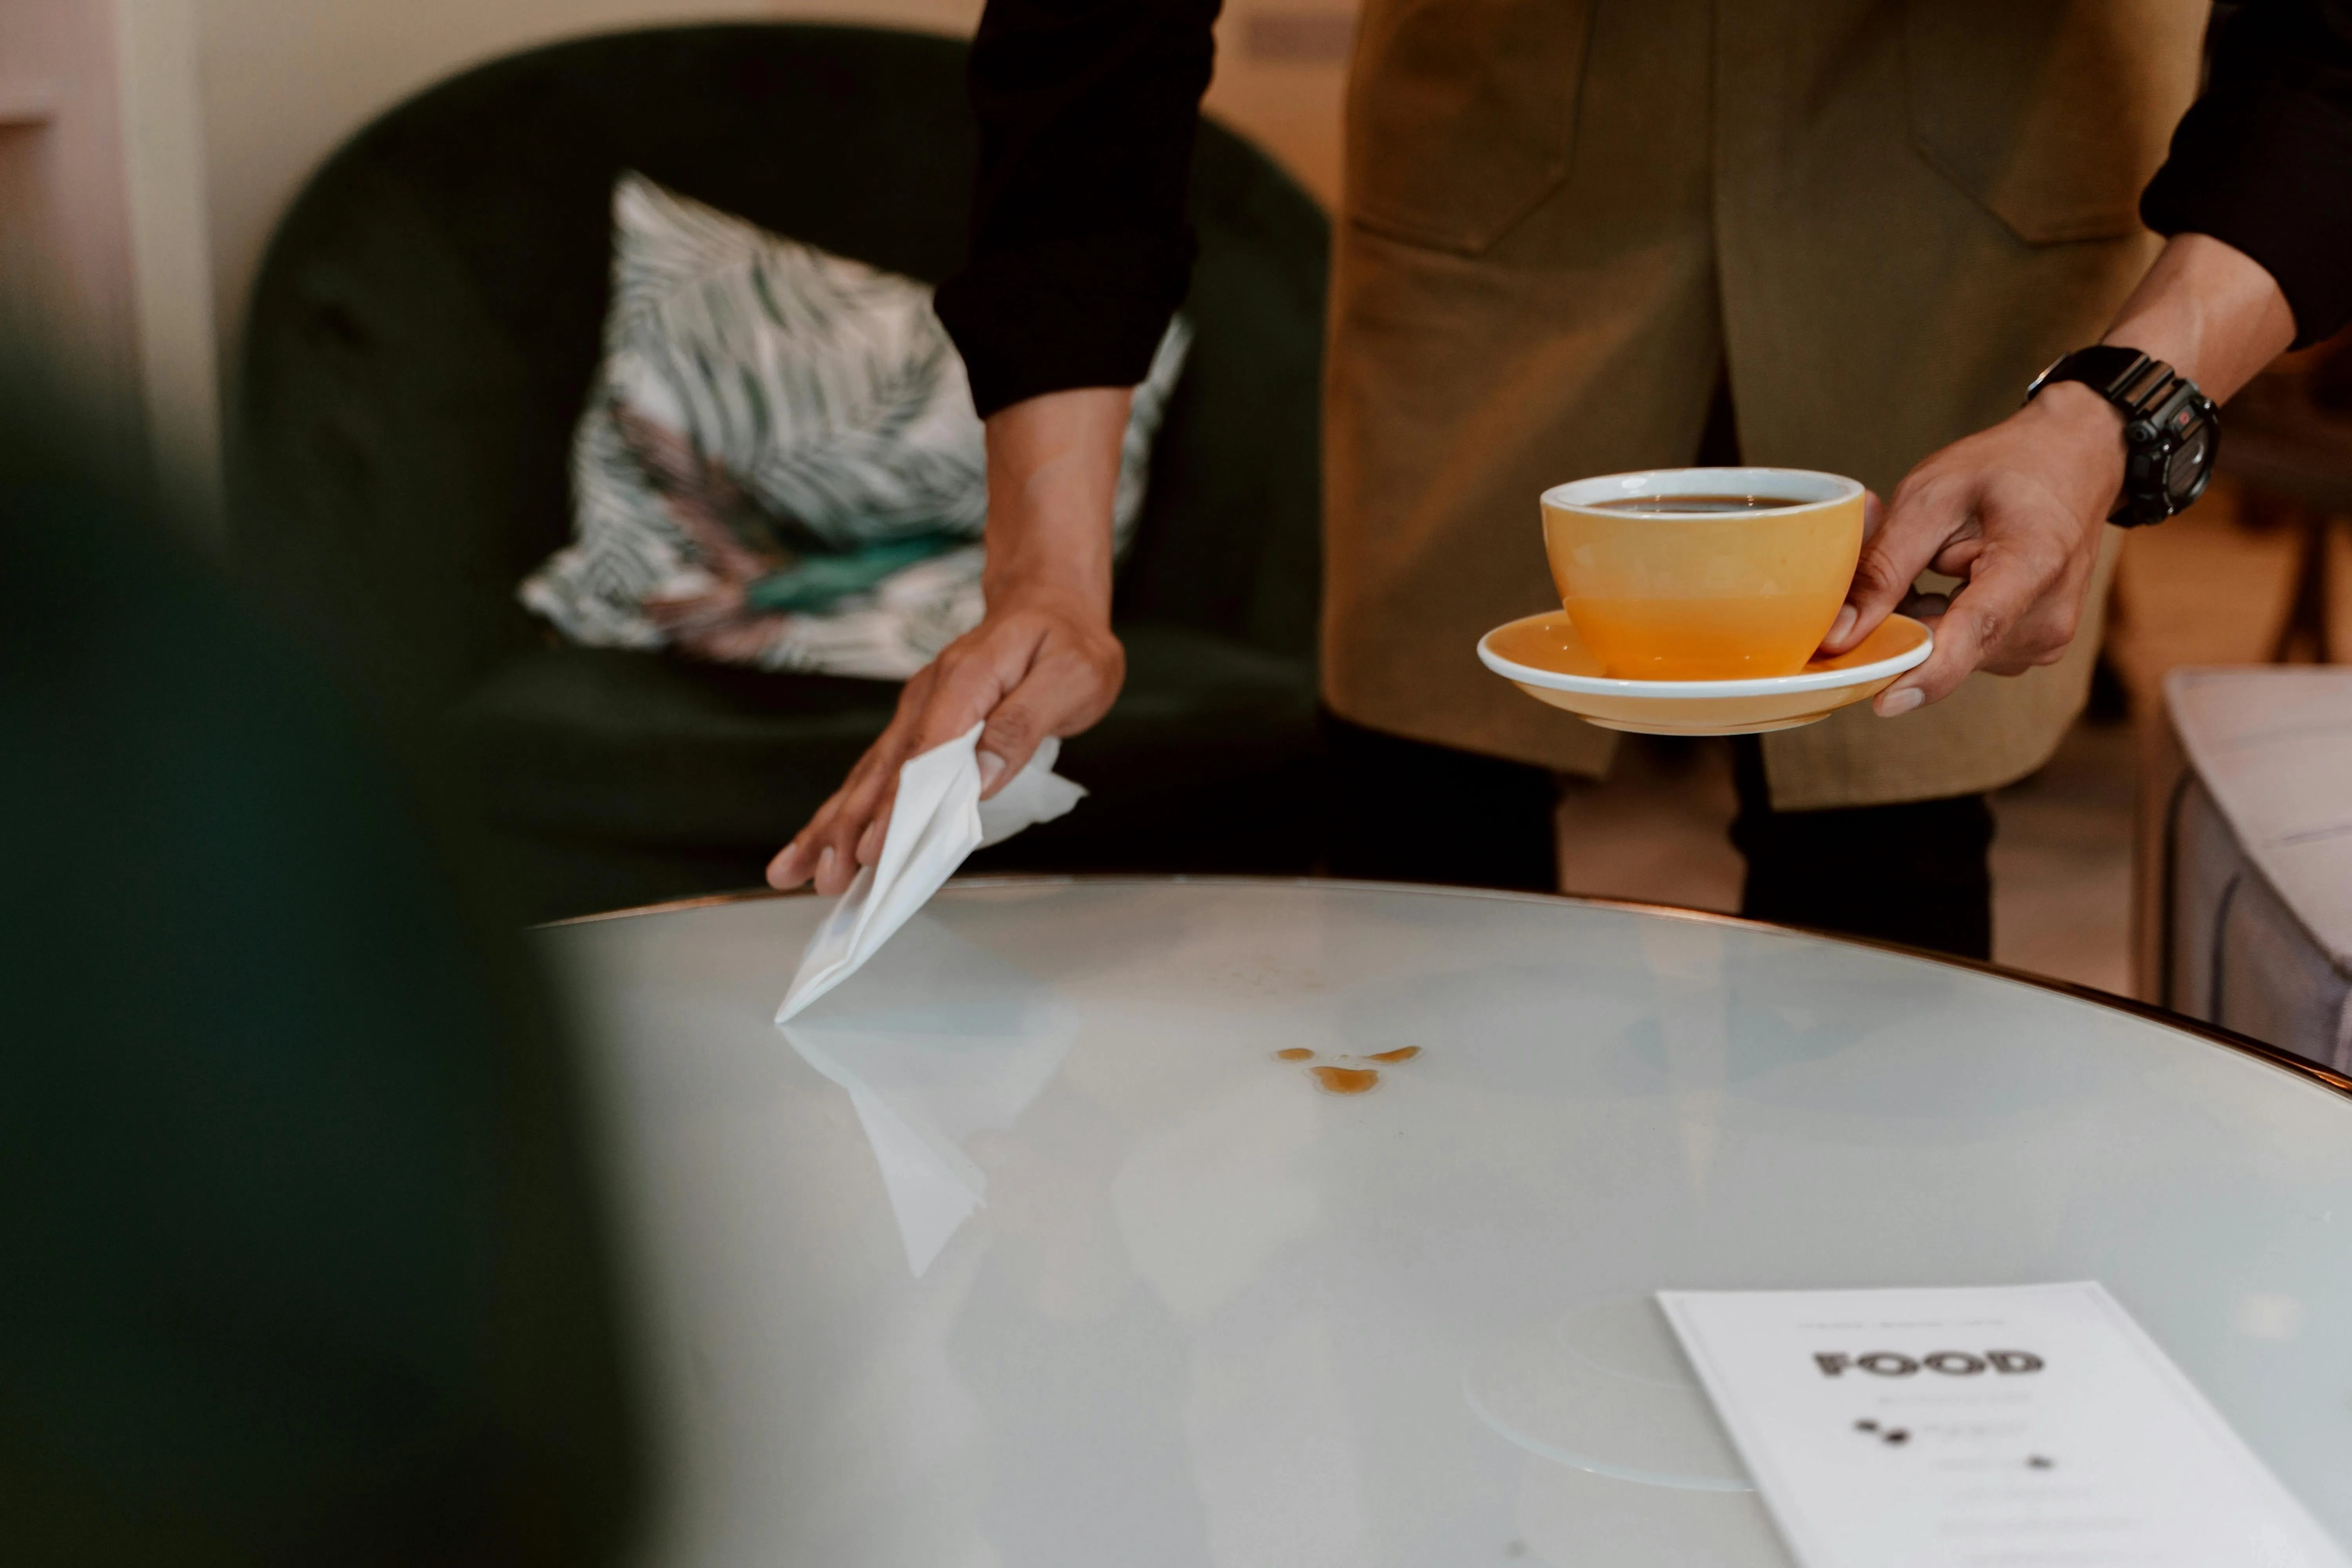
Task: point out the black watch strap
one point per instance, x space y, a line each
2123 377
2165 416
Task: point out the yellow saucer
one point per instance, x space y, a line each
1543 657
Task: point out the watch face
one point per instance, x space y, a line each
2186 465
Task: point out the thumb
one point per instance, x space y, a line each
1892 555
1873 514
1011 738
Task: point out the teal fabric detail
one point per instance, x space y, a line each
820 582
763 402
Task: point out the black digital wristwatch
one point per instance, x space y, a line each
2171 430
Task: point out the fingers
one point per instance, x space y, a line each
1071 684
972 683
1015 730
1920 526
1995 621
846 832
849 829
827 848
1024 677
1926 608
2015 510
1842 634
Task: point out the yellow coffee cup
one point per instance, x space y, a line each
1704 574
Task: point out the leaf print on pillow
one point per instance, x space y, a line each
779 463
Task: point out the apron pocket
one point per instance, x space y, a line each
2051 114
1460 114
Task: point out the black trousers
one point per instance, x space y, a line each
1917 873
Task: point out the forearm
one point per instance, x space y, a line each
2211 312
1042 662
2206 309
1052 474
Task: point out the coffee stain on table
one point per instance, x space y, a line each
1334 1079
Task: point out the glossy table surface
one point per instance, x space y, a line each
1030 1246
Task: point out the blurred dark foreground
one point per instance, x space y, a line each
302 1255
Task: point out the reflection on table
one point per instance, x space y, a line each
1039 1242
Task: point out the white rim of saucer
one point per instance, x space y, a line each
1664 484
1687 690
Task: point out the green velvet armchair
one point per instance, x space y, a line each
420 343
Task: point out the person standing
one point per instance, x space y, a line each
1572 229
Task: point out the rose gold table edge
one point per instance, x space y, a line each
2196 1028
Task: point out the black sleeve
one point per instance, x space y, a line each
1079 249
2263 160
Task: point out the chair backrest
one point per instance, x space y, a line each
428 318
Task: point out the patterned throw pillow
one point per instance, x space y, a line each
779 464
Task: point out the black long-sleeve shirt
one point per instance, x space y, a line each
2263 160
1087 110
1079 249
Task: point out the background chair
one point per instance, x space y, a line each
421 340
2255 892
2216 932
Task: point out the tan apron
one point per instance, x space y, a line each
1564 218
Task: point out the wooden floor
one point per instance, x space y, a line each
2202 589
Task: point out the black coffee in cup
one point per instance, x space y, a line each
1696 504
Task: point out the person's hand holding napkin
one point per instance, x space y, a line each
938 820
1043 663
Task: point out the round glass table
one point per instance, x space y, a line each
1239 1223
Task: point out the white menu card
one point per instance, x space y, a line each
2011 1424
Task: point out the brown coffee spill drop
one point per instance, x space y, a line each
1345 1080
1295 1054
1402 1054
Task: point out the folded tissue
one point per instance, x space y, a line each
938 820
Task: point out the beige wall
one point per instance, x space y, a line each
1282 72
165 189
219 110
103 247
65 278
283 81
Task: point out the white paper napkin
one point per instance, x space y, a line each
938 820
